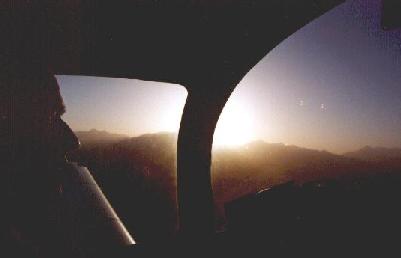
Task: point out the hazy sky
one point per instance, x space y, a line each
334 85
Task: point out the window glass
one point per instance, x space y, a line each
128 134
324 103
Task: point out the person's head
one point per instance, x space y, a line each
33 143
31 128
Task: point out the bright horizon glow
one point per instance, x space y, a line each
235 126
333 85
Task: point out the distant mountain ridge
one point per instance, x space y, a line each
366 153
369 153
144 168
97 136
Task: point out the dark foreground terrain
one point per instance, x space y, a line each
269 198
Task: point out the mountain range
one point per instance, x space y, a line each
96 136
375 153
366 153
250 167
138 174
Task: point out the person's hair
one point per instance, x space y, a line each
27 95
26 104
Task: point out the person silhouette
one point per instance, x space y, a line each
33 143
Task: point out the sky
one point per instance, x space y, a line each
334 85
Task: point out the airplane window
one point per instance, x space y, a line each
128 133
325 103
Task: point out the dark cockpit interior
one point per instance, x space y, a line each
207 47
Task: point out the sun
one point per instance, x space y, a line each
235 126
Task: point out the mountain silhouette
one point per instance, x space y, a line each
97 136
375 153
138 175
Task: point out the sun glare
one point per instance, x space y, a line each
170 120
235 126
